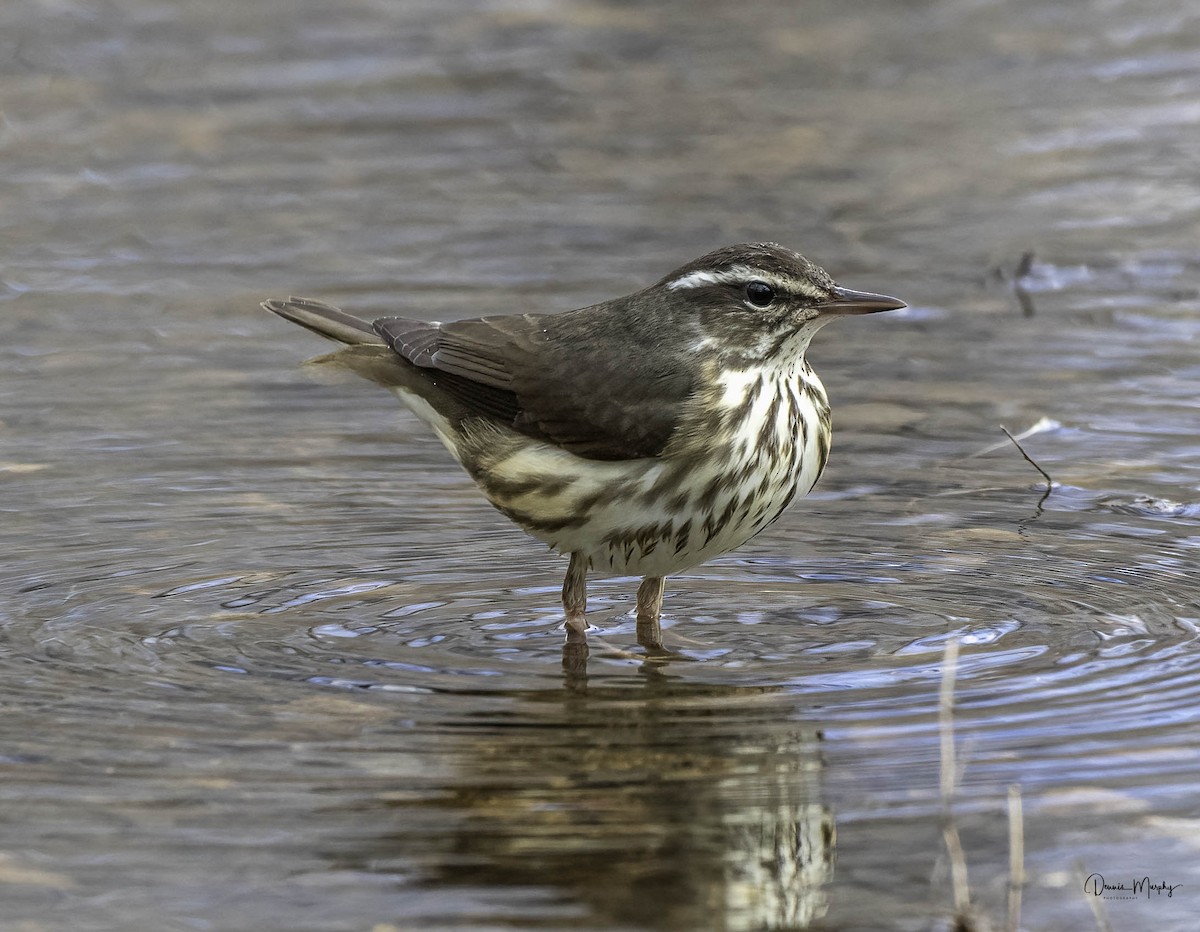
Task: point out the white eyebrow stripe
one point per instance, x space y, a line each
739 274
695 280
730 276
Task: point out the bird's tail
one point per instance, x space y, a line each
365 353
325 320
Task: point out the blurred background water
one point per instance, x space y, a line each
267 660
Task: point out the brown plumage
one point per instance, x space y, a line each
642 435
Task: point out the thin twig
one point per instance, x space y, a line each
1021 274
1024 265
1016 857
1029 459
1041 426
1049 481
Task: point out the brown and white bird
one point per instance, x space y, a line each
644 435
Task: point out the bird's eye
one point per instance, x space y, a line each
760 294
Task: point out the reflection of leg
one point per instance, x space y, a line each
575 656
649 607
574 596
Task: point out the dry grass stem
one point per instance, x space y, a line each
950 775
946 719
1095 903
1016 857
948 783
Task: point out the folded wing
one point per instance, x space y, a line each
572 379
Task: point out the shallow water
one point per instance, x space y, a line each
268 660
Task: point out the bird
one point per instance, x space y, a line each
641 436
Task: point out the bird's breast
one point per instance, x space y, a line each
753 440
772 425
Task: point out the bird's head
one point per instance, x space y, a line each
761 300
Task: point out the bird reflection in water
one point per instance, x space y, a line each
676 806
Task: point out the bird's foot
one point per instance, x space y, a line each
575 655
575 645
649 632
576 626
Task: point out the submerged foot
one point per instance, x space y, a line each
649 632
575 651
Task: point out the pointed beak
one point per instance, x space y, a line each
845 301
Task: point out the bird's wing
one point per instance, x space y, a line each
572 379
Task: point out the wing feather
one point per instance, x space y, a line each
574 379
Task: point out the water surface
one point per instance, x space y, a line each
270 662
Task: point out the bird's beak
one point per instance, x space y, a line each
845 301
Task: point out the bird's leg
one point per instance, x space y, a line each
574 595
574 599
649 607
